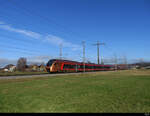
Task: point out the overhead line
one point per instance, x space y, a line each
8 47
17 50
16 47
20 41
44 17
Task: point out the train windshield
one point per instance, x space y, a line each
50 62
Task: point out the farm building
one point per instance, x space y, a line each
42 68
9 68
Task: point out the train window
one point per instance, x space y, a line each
86 66
50 63
65 66
90 67
81 66
69 66
107 67
78 66
100 67
72 66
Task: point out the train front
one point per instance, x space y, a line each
49 65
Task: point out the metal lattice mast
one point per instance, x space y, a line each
98 44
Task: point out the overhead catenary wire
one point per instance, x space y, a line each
27 11
29 14
18 51
63 27
3 44
16 48
24 42
41 17
11 43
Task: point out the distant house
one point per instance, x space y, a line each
42 68
134 66
12 68
35 67
9 68
32 68
6 70
122 66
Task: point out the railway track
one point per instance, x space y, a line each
40 75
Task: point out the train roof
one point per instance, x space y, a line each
65 60
73 61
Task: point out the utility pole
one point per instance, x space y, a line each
98 44
83 43
60 55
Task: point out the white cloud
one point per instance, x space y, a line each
38 59
52 39
21 31
76 47
1 23
57 41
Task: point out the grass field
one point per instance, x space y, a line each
16 73
119 91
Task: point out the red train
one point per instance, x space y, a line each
57 65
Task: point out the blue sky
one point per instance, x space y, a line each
35 28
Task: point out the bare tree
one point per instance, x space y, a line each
21 64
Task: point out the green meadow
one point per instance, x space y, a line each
18 73
114 91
